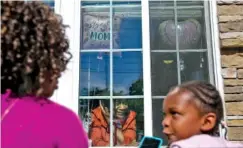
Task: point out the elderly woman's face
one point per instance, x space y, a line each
120 108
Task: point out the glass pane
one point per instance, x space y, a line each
95 22
127 73
194 66
129 116
162 28
164 72
93 113
128 121
51 3
190 26
94 74
127 25
157 111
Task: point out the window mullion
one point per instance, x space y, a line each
111 73
148 126
177 45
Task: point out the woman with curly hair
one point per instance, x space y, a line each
34 52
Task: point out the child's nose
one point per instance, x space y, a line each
165 122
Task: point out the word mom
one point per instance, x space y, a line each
101 36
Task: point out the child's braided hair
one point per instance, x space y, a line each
208 98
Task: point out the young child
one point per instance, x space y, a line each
192 114
34 53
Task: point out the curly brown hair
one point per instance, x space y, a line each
33 42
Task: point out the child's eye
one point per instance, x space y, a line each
174 113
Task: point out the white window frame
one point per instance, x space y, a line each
68 92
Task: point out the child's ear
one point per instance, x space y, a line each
208 122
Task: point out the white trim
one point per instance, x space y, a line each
217 55
148 120
65 93
57 6
76 54
209 42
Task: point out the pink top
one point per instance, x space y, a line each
205 141
39 124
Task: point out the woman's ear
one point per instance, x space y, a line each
208 122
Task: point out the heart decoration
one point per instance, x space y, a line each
189 34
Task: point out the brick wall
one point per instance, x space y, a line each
230 17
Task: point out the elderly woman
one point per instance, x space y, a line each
124 124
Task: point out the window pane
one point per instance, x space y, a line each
127 73
164 72
157 105
162 30
128 120
190 26
95 22
127 25
194 66
95 124
129 114
94 74
51 3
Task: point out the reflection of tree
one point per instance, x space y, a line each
136 88
96 91
137 104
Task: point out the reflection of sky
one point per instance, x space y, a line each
127 68
51 3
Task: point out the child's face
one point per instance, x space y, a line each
182 118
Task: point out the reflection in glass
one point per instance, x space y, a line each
95 31
190 28
129 115
128 121
162 30
94 74
127 73
127 25
51 3
195 66
157 111
163 72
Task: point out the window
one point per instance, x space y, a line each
111 73
180 49
126 56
